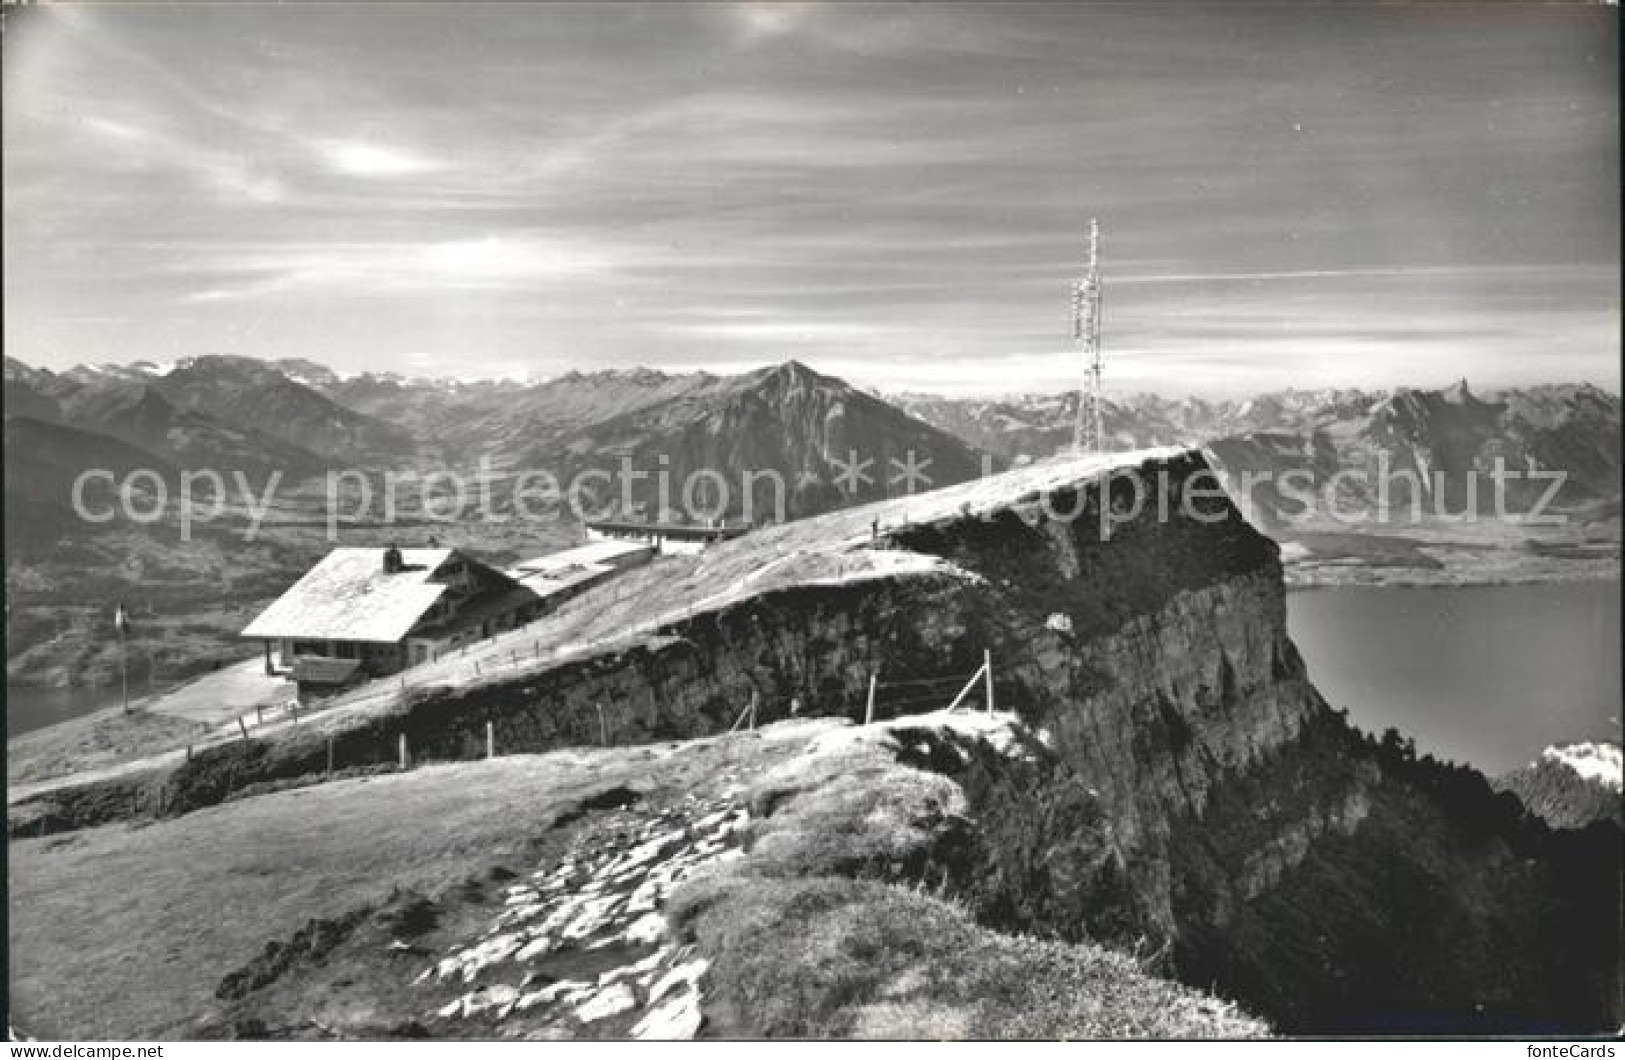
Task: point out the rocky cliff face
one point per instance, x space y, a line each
1327 881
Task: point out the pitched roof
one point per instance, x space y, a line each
561 573
347 596
551 582
582 556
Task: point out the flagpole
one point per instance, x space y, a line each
121 624
124 668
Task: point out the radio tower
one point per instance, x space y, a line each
1087 435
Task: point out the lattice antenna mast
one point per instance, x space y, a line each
1088 436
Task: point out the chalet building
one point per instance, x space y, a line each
367 612
681 538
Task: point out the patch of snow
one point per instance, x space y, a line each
677 1020
564 990
639 970
497 996
646 929
611 1001
1293 552
686 974
536 947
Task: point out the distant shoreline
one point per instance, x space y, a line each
1442 580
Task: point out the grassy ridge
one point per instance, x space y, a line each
832 957
862 909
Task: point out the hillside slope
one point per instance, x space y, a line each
798 426
43 461
581 894
128 404
1329 882
247 391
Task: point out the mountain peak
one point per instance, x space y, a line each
793 371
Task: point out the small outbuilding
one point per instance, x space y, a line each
559 576
665 537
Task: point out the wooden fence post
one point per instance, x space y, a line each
330 756
869 711
243 726
490 740
403 752
987 669
603 726
754 698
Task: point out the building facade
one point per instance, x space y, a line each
673 538
363 613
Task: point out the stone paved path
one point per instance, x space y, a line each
580 948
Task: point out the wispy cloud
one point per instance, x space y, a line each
1394 273
131 146
345 269
360 159
759 331
763 19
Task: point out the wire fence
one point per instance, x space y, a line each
927 691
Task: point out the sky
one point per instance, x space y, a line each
1289 195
